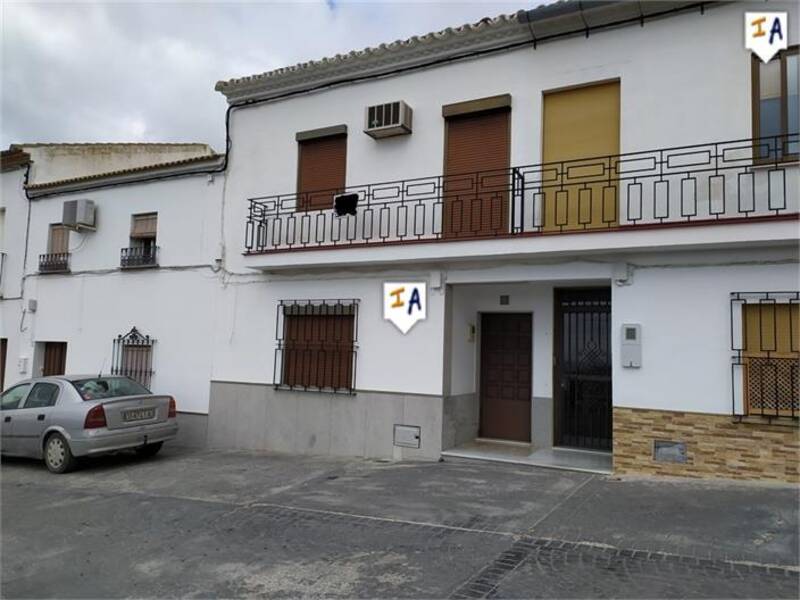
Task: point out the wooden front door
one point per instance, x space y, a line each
505 372
477 177
55 358
580 123
582 377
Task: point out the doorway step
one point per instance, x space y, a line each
587 461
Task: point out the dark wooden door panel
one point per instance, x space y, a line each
506 350
582 377
55 358
3 356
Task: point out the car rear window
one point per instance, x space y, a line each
99 388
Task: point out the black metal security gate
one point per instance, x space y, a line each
582 371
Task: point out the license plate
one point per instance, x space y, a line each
138 414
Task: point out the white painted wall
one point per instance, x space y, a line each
89 311
387 360
97 301
684 80
15 206
686 345
188 222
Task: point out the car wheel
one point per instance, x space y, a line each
57 455
149 449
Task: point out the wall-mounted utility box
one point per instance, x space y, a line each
79 215
386 120
407 436
631 346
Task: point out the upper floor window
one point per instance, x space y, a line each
321 166
58 239
775 104
143 249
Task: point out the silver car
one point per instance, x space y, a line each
66 417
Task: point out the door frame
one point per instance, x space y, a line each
557 337
479 370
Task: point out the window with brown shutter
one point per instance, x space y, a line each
144 226
321 171
477 160
58 239
316 345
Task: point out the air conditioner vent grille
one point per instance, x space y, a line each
384 115
389 119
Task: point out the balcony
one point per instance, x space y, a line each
54 263
747 180
139 257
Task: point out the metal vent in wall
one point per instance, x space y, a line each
669 451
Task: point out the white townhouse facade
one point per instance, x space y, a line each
598 201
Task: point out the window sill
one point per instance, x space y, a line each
766 165
315 390
785 421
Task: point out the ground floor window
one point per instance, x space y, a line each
765 336
133 356
316 344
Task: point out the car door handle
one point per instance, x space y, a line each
7 419
40 417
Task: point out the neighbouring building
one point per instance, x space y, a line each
596 205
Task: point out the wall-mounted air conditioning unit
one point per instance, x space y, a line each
79 215
385 120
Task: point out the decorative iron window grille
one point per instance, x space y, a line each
317 341
133 356
765 341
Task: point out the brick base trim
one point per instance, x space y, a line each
716 446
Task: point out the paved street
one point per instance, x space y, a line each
224 524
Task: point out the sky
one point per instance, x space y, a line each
145 71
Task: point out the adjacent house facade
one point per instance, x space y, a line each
596 205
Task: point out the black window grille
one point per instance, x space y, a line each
317 342
133 356
765 341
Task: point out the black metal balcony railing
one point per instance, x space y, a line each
714 182
137 257
57 262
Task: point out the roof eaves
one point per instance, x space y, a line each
543 23
187 166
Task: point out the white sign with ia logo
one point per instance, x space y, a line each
765 33
404 303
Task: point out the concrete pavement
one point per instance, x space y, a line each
225 524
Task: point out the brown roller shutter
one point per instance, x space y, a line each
318 351
321 171
477 179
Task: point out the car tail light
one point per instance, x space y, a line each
173 410
96 417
